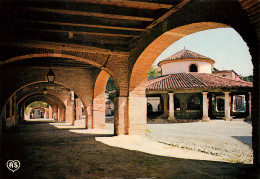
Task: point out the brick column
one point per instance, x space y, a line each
120 115
62 114
78 109
165 101
227 107
249 106
58 114
99 108
171 107
45 113
50 112
55 112
70 114
205 107
137 115
89 116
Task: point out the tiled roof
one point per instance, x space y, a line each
183 54
194 81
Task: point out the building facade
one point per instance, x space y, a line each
190 89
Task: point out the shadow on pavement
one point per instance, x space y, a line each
47 152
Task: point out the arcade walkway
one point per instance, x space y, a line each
47 152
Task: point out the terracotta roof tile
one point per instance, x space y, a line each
183 54
194 81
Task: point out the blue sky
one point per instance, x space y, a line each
224 45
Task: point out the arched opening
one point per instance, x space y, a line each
37 110
104 102
194 104
193 68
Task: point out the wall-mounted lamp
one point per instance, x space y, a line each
50 76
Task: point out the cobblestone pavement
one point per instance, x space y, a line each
47 152
231 140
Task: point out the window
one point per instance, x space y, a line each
193 68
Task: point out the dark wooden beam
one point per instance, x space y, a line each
9 14
88 14
61 47
107 41
126 3
123 30
170 12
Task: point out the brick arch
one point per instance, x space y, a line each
57 55
38 107
153 50
138 77
52 100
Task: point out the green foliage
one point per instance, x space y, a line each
110 85
248 78
36 104
153 73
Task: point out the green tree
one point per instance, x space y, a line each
154 72
36 104
110 85
248 78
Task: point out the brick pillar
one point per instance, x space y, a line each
45 113
120 115
227 107
58 114
205 108
70 114
50 112
99 108
249 106
55 112
89 117
165 101
78 109
137 115
62 114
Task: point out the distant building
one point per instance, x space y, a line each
190 88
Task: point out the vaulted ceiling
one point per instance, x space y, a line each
93 25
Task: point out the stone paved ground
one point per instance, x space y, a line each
232 140
47 152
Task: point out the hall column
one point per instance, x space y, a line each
249 106
55 112
205 108
50 112
58 114
165 111
78 109
70 113
227 107
137 112
62 114
120 115
171 107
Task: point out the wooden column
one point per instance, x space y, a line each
165 101
171 107
227 107
205 107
